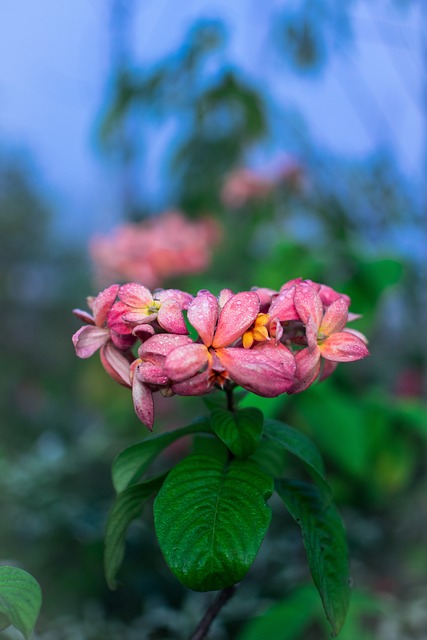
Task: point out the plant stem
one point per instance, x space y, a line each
230 399
211 613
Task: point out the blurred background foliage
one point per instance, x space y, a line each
331 219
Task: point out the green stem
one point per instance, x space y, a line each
211 613
230 398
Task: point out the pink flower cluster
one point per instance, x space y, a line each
268 342
155 249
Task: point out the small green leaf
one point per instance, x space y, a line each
211 518
325 542
287 619
133 461
20 600
240 430
127 506
300 446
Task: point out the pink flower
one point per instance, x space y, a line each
138 306
155 249
114 347
326 336
266 369
243 185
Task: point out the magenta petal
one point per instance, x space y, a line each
143 331
328 367
162 344
343 347
311 330
203 315
308 369
329 295
135 295
122 342
103 302
143 403
151 373
237 315
116 364
335 318
89 339
170 318
116 318
184 362
307 302
198 385
265 370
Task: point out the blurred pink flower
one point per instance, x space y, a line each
243 185
155 249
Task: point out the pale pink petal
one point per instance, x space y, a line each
354 332
89 339
335 317
265 370
143 402
282 306
353 316
203 315
308 369
198 385
237 315
307 302
184 362
135 318
224 296
162 344
102 304
181 297
170 317
290 283
135 295
116 364
311 330
265 296
84 316
343 347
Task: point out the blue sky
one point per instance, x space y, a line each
55 61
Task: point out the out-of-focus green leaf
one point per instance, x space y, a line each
131 463
325 542
127 506
20 600
240 430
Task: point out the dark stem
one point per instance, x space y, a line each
211 613
230 399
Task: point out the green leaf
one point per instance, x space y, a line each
287 619
325 542
211 518
300 446
127 506
20 600
133 461
240 430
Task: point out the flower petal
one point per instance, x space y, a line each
203 315
308 369
116 364
143 402
267 369
329 295
343 347
198 385
135 295
84 316
335 318
307 302
151 373
89 339
237 315
283 307
162 344
184 362
181 297
102 304
170 317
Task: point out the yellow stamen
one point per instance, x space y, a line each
258 332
